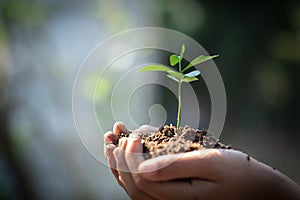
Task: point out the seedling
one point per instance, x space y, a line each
179 76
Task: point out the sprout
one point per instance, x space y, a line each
179 76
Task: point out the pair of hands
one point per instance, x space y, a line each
204 174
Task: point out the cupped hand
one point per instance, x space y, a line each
207 174
115 149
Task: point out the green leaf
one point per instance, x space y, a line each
154 68
193 73
173 78
174 59
198 60
175 74
182 51
190 79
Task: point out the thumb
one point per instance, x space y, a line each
206 164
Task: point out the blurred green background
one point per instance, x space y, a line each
42 44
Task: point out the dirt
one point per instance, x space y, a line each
170 140
248 158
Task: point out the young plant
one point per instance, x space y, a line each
179 76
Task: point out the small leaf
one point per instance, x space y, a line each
154 68
193 73
190 79
177 75
173 78
182 51
198 60
174 59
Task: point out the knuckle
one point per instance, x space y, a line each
108 150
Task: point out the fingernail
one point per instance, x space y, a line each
119 127
111 138
134 136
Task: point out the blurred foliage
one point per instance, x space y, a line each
26 12
113 14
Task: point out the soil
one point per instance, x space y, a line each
170 140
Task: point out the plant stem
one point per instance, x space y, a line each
179 104
179 67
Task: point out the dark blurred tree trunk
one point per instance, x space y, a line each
23 186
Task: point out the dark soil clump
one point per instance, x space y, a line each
170 140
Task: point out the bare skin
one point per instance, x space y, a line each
205 174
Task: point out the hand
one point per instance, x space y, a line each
120 169
209 174
215 174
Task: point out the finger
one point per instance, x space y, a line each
204 164
134 157
109 148
134 153
114 170
179 189
119 154
161 190
119 127
110 138
124 175
122 168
